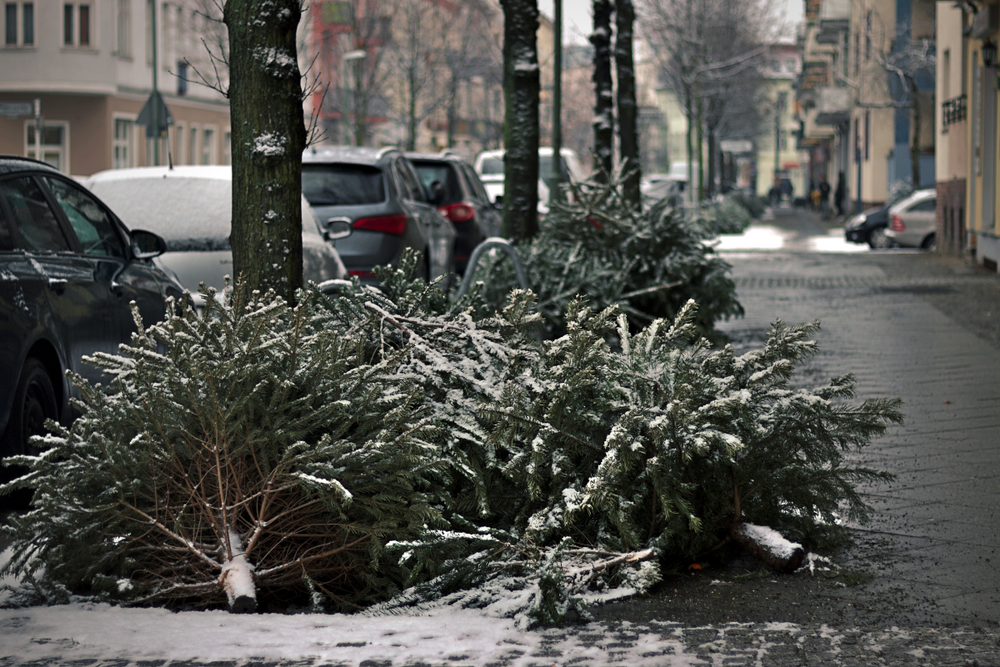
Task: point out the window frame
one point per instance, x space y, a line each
75 28
128 143
20 24
61 150
208 145
123 29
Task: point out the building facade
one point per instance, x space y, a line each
89 66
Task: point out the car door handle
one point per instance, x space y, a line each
58 285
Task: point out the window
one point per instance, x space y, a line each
227 148
179 135
124 28
33 218
192 153
54 143
88 219
122 144
76 25
207 146
19 24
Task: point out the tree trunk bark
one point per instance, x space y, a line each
521 85
628 130
604 122
268 137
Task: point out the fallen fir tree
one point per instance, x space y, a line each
385 447
648 263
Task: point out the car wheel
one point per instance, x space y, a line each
878 239
34 402
930 243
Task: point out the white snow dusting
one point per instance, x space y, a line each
269 145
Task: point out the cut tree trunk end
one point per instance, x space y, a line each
769 546
237 579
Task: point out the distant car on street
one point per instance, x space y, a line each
912 221
869 225
69 269
191 208
379 194
463 200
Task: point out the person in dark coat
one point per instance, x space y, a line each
824 196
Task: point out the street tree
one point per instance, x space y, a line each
604 123
521 86
628 129
702 48
268 137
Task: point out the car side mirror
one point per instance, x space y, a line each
337 228
147 245
435 193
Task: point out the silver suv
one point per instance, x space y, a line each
378 194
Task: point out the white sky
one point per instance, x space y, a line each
578 16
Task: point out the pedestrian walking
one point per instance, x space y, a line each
824 197
839 194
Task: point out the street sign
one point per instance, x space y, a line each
15 109
162 116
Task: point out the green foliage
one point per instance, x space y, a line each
725 216
647 263
389 441
668 443
247 422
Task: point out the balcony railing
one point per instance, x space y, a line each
953 111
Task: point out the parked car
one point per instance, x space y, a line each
869 225
659 187
490 167
69 269
463 200
191 208
912 221
379 194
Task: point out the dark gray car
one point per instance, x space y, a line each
379 194
463 200
68 270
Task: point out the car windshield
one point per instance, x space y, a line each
189 213
342 184
545 167
491 166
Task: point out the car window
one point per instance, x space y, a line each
475 183
6 240
89 220
409 181
33 217
444 174
342 184
926 206
491 166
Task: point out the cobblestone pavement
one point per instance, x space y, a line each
913 325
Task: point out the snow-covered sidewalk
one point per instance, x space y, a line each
99 635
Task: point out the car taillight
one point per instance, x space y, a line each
897 224
458 212
361 273
387 224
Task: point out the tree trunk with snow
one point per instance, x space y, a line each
237 578
604 122
628 131
268 137
521 87
769 546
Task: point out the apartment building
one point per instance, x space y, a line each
967 121
90 66
866 95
